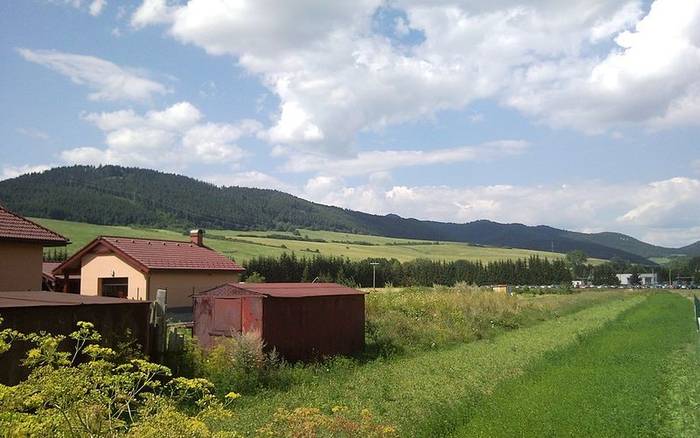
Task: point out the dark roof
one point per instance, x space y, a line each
154 254
283 290
17 228
41 299
47 269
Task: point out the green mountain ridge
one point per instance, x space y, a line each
114 195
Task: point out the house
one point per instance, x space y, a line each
647 279
59 313
302 321
134 268
22 245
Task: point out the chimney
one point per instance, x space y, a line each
197 237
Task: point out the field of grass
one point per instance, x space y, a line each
608 384
424 393
244 245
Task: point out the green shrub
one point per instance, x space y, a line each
85 393
255 277
240 363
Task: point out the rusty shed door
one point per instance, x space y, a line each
252 314
227 315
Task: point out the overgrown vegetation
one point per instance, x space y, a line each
87 393
419 393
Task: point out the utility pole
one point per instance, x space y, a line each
374 274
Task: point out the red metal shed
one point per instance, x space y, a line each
302 321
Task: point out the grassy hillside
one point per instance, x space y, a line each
114 195
244 245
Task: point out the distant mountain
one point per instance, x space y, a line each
691 250
114 195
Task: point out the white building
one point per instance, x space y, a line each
647 279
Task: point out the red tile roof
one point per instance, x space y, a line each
283 290
169 254
153 254
16 228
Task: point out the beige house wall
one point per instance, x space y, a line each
96 266
20 266
182 284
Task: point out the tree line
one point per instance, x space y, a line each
419 272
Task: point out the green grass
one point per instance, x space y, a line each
679 405
423 394
608 384
244 245
412 319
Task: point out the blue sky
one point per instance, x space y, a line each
582 115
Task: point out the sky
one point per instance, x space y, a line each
582 114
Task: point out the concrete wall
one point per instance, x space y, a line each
20 266
96 266
181 285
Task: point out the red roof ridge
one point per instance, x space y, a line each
284 290
107 236
172 255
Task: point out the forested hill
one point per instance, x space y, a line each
114 195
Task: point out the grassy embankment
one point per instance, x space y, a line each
633 378
244 245
423 389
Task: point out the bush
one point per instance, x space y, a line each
239 363
255 277
85 393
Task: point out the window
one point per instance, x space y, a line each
117 287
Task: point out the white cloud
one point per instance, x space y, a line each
674 202
15 171
377 161
152 12
109 81
174 138
96 7
335 76
650 78
663 212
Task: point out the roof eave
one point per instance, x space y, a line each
36 241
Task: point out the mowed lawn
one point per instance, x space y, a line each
638 376
245 245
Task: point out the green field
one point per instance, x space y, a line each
614 364
244 245
616 382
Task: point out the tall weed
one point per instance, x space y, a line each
414 319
